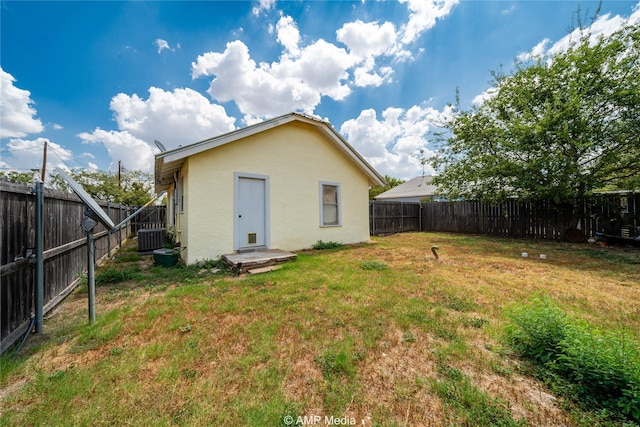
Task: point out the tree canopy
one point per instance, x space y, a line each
134 187
379 189
557 128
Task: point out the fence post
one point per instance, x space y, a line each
39 290
373 217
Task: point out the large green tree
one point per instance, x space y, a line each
378 189
133 188
557 128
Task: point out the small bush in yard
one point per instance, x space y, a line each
320 245
599 368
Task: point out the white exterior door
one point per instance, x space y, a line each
251 212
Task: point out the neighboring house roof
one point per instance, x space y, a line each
169 162
416 188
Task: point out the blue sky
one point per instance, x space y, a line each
100 81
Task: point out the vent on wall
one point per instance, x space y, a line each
252 238
150 239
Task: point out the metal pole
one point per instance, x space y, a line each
39 291
91 280
109 231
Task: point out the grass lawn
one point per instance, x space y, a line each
373 334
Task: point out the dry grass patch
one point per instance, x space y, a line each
417 342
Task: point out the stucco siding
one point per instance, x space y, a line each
296 158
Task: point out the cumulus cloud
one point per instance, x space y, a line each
176 118
180 117
288 34
16 109
134 153
305 73
367 39
391 144
604 26
296 83
423 16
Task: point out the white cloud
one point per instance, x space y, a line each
263 5
162 45
305 74
366 75
366 40
57 126
391 145
176 118
604 26
24 154
296 83
423 16
134 153
16 113
288 34
486 95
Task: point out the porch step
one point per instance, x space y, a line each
264 269
252 249
243 262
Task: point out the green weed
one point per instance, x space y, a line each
596 368
113 275
373 265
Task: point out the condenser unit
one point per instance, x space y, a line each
150 239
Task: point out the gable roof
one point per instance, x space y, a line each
417 187
169 162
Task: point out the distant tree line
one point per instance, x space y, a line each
132 188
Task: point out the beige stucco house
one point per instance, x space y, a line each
284 184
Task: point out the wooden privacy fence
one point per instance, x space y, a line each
149 217
65 251
613 214
394 217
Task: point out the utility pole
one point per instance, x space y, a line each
119 175
44 161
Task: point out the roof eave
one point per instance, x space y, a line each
178 155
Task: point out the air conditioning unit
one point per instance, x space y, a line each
150 239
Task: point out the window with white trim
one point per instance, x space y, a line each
330 206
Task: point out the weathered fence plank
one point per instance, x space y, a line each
65 252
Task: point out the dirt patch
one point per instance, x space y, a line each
396 376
